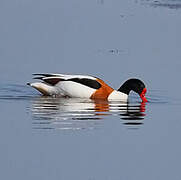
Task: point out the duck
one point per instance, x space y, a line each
85 86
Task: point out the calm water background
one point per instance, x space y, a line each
49 138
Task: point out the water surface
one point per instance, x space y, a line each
56 138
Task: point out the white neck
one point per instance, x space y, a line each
117 95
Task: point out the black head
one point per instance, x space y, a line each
135 85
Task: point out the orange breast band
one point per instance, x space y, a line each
103 92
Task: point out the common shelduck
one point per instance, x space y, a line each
83 86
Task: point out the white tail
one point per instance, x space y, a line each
43 88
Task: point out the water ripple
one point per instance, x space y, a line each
171 4
74 113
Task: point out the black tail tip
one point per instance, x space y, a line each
28 84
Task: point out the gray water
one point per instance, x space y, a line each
59 138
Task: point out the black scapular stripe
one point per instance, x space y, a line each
53 81
87 82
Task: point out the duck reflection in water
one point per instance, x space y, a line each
75 113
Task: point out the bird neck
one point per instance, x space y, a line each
125 88
135 85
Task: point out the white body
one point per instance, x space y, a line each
73 89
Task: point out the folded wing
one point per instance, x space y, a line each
54 79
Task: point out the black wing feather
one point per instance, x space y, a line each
87 82
44 74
